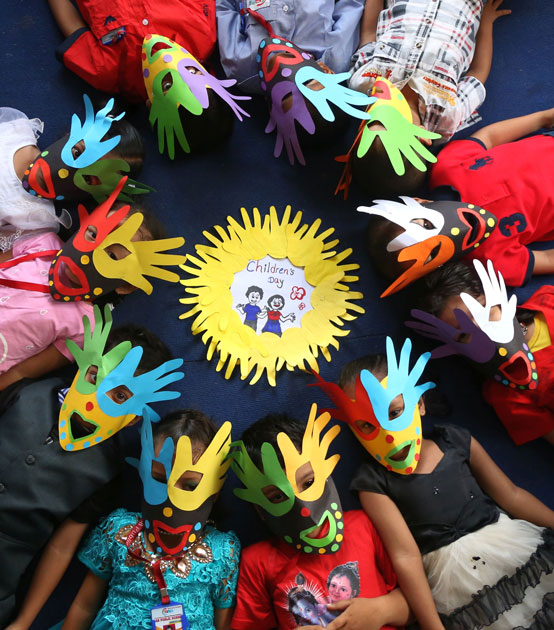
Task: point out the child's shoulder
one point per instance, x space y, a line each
36 243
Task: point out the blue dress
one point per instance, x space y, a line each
131 594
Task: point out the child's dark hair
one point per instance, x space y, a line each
197 425
350 571
211 127
434 290
254 289
375 363
155 352
269 300
374 173
150 221
267 429
326 131
380 232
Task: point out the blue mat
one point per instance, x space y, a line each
193 194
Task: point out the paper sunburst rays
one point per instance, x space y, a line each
290 247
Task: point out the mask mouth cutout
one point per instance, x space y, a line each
171 539
517 369
402 455
323 532
78 283
476 225
42 167
81 428
327 533
159 46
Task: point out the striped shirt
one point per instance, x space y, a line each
429 45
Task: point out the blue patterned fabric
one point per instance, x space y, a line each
131 595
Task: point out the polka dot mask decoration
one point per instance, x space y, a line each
102 255
393 440
97 406
174 78
301 512
291 78
176 505
494 344
433 233
68 168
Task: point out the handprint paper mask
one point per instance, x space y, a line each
302 512
401 138
66 168
87 267
176 509
488 335
434 233
88 407
173 79
395 442
291 74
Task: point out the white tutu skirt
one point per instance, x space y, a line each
500 577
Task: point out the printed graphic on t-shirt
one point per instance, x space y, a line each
306 600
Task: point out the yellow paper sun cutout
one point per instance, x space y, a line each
222 328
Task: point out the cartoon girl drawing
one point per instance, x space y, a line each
274 316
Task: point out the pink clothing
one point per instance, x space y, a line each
31 321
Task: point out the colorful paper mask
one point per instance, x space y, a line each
92 263
176 509
173 79
395 442
290 76
92 411
303 511
400 136
496 347
451 229
61 172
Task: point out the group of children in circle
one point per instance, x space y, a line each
442 497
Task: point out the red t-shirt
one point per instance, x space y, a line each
529 414
513 181
117 67
281 587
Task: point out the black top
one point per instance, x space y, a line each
40 483
441 506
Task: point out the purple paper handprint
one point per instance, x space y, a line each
480 348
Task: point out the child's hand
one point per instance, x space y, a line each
491 12
358 614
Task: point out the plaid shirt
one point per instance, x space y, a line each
428 44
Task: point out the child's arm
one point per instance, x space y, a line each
515 500
368 26
86 604
222 618
52 565
514 128
482 58
67 16
405 557
39 364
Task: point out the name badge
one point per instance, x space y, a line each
169 617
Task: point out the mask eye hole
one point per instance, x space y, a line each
189 480
365 427
396 408
120 394
78 149
274 494
158 472
167 83
90 376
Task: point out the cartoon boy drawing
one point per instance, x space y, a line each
251 311
274 315
343 582
304 607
